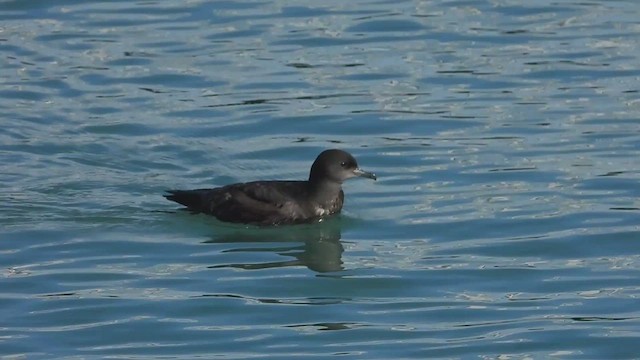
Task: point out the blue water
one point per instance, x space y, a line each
505 222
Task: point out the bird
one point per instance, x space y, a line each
278 202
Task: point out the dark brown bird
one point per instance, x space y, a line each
278 202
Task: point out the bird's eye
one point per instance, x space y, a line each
343 164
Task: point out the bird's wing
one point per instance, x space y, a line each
261 203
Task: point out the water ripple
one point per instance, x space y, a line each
503 225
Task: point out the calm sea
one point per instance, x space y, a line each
505 223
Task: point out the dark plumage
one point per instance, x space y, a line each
278 202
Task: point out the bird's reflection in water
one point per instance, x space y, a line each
316 246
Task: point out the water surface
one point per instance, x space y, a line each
504 223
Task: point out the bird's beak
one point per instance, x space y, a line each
366 174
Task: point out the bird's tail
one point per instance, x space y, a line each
192 199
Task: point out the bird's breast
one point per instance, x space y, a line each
327 209
322 211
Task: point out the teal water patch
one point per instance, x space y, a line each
503 224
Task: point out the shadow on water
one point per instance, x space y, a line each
316 246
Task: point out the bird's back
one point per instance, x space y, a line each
258 203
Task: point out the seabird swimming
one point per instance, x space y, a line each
277 202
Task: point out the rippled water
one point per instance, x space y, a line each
504 224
